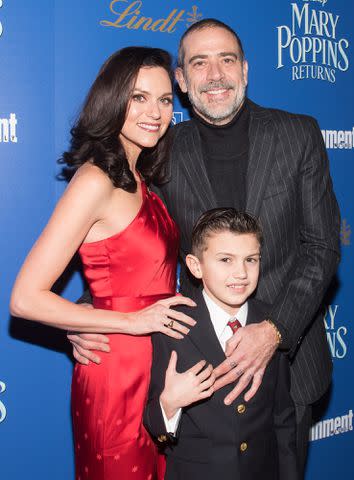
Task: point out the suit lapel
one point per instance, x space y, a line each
191 158
203 335
261 156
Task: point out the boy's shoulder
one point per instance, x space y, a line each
259 309
193 312
186 309
197 297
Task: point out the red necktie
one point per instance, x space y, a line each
234 324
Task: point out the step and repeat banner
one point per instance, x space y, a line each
301 59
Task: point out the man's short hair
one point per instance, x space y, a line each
206 23
220 220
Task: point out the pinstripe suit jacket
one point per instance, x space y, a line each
290 189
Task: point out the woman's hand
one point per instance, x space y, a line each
159 317
183 389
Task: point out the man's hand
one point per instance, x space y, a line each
248 353
83 343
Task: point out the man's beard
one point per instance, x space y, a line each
208 112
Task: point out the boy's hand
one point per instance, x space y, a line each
183 389
248 353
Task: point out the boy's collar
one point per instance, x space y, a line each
219 316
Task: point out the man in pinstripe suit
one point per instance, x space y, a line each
279 172
287 184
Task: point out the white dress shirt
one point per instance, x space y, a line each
219 318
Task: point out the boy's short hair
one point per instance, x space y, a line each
220 220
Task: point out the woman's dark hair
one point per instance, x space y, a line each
95 135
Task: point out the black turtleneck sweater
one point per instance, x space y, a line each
225 153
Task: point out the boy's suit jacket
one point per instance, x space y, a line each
246 441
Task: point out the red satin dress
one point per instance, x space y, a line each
126 272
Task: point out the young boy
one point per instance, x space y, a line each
202 437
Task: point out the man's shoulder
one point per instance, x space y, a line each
182 125
182 128
282 117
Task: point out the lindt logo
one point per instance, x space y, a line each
131 15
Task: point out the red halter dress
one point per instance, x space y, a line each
126 272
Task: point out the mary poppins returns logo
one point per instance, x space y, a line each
312 43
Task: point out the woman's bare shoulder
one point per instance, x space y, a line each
91 179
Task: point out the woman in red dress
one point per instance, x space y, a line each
128 245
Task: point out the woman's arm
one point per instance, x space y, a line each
82 205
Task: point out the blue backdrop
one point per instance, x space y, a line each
300 55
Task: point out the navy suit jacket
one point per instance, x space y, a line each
244 441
